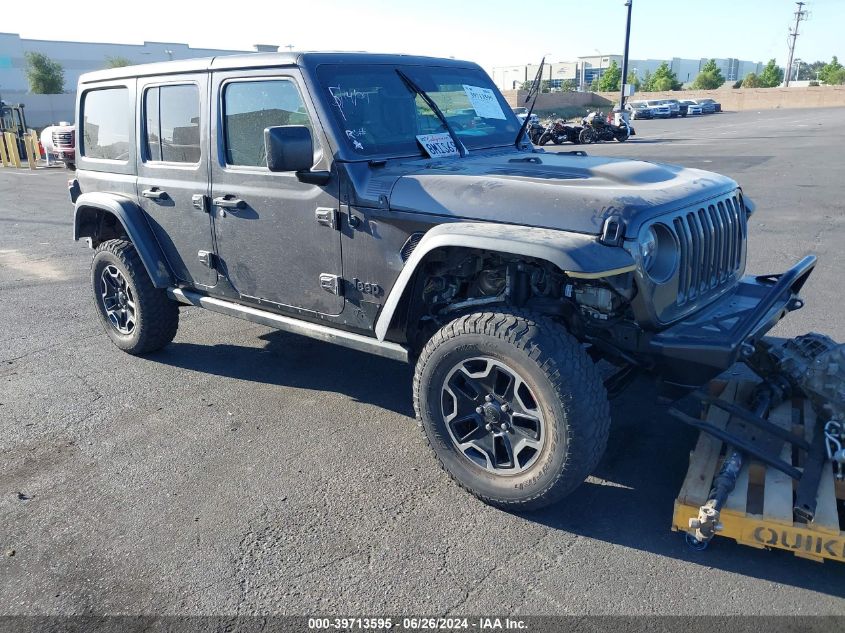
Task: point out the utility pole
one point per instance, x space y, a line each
800 14
625 60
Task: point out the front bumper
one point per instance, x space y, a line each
706 343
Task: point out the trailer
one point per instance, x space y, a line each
764 508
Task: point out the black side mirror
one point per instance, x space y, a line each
289 148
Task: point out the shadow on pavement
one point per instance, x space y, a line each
629 500
296 361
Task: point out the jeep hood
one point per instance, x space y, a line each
557 191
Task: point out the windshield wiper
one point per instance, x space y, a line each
413 87
535 90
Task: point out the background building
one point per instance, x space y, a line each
77 58
588 67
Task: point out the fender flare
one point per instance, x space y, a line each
132 219
576 254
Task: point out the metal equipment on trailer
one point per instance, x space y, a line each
769 466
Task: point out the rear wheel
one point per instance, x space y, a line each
138 317
512 406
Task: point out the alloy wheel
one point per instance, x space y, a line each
118 300
492 415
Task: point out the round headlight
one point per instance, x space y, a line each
659 252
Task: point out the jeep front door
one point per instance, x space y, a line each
173 172
277 240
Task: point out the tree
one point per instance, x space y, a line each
648 81
662 80
633 80
751 81
710 77
594 85
611 78
808 71
45 76
568 85
117 62
771 76
832 73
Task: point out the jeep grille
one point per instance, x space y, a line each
711 239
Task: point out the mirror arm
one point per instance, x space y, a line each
314 177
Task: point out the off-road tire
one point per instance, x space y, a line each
157 316
566 383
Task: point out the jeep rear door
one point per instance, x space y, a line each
173 171
276 236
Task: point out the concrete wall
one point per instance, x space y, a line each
755 98
552 100
43 110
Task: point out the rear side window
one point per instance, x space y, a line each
172 124
251 106
106 124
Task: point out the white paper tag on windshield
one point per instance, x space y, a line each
484 102
438 145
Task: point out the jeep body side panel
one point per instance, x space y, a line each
90 206
575 254
173 171
275 247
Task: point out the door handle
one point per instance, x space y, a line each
229 202
154 193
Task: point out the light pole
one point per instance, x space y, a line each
625 59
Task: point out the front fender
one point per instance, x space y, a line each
576 254
86 213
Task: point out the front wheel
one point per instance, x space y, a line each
138 317
512 406
587 136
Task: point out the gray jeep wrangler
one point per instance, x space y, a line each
393 204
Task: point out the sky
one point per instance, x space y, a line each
490 32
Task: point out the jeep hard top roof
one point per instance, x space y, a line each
264 60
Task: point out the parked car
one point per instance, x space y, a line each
676 107
639 110
521 113
692 107
707 103
660 109
707 107
338 196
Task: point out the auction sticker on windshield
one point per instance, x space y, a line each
438 145
484 102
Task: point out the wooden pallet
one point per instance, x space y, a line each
758 513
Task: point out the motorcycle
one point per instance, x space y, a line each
557 132
596 129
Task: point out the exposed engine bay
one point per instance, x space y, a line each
462 279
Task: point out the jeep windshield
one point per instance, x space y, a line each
378 114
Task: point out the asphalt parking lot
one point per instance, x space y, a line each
242 470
